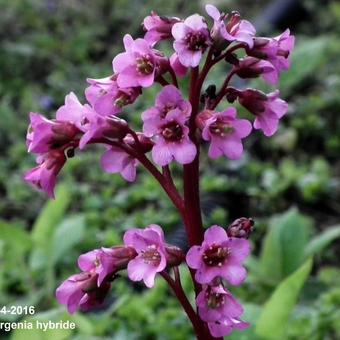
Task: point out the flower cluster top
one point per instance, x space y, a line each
174 129
169 126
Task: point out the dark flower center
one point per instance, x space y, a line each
144 65
151 255
196 41
221 128
214 300
172 132
215 255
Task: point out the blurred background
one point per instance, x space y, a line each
289 184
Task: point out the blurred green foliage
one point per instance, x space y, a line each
290 184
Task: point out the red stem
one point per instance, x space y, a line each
222 91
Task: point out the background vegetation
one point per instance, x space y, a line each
289 184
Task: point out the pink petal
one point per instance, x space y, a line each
215 234
194 257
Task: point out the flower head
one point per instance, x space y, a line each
116 160
172 140
137 66
191 40
158 27
225 133
216 303
149 244
219 256
72 291
233 30
44 135
167 100
107 98
44 176
250 67
268 109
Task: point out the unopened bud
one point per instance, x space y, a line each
175 255
253 100
117 128
241 228
144 142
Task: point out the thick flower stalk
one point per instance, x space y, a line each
174 130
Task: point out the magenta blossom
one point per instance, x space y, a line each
268 109
281 60
107 98
191 40
81 291
44 176
172 140
225 326
72 111
73 290
216 303
250 67
137 66
44 135
158 28
106 261
149 244
168 99
219 256
234 30
116 160
99 127
225 133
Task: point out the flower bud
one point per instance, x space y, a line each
241 228
144 141
116 128
253 100
175 255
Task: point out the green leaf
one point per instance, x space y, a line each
273 320
283 249
68 233
44 228
321 241
17 239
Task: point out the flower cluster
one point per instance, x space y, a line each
173 131
144 254
219 258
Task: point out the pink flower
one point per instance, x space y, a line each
225 133
235 30
179 69
219 256
281 60
107 98
137 66
44 135
81 291
216 303
172 140
99 127
225 326
71 291
168 99
115 160
158 28
106 261
149 244
191 39
72 111
276 50
44 176
250 67
268 109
